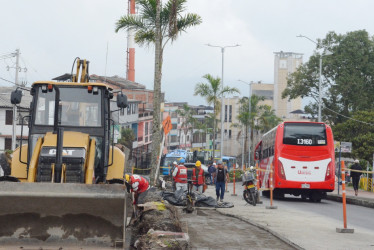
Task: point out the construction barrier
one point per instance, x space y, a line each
271 188
345 229
233 193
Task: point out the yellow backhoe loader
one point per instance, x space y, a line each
65 179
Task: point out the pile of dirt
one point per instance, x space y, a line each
157 216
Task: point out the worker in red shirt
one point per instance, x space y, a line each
180 176
198 179
137 185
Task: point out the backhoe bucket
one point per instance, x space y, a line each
79 214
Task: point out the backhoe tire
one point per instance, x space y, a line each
4 164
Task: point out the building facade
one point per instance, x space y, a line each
285 63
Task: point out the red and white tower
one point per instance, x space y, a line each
130 74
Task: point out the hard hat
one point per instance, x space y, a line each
181 161
251 167
127 177
198 163
214 164
357 161
175 163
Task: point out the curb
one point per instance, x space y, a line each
364 202
277 235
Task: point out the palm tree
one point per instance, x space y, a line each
212 92
261 119
156 24
188 120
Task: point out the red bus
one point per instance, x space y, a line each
303 157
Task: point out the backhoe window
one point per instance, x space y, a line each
77 108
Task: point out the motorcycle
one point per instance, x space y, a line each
250 190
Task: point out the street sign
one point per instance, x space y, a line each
166 124
346 147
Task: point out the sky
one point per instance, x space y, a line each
51 33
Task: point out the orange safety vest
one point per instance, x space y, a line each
181 176
200 181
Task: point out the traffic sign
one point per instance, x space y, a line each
166 124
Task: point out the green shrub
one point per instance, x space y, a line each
238 175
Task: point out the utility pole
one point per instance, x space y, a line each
18 69
14 128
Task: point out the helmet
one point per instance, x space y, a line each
198 163
251 167
181 161
127 177
357 161
175 163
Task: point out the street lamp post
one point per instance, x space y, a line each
222 98
320 78
249 117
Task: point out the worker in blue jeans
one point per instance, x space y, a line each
220 178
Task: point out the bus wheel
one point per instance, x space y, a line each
266 193
315 197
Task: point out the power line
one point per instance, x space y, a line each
371 124
6 80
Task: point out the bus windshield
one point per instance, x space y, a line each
305 134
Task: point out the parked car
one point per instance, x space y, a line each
190 166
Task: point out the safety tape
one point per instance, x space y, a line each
360 171
264 170
141 168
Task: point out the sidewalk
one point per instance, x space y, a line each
303 229
364 198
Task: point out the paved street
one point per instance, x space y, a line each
306 224
209 229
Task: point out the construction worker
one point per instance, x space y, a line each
198 179
175 165
137 185
180 176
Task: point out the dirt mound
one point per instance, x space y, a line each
156 217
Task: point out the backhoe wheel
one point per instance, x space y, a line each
4 164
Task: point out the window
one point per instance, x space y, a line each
8 143
146 129
230 132
8 117
304 134
225 113
173 114
230 114
173 138
77 107
129 109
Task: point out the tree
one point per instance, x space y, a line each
348 76
156 24
361 134
212 92
261 119
127 138
188 120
